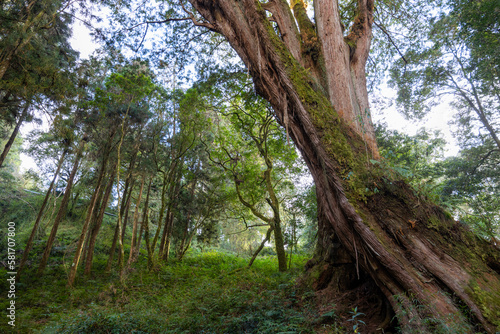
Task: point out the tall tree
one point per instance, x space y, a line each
36 60
61 213
253 152
459 59
29 243
313 75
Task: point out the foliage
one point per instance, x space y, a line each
357 323
36 60
468 184
204 293
214 156
415 158
473 186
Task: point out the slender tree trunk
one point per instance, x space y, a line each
168 236
74 200
170 180
164 251
184 239
276 222
124 206
81 240
279 245
148 240
90 215
93 221
143 222
123 226
97 226
163 206
134 228
13 136
29 244
99 202
169 223
62 208
175 186
188 217
119 223
165 232
427 266
293 240
261 246
187 244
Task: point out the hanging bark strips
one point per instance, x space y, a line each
427 263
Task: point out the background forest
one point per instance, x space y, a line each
169 198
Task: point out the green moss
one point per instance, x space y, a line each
434 223
488 302
340 142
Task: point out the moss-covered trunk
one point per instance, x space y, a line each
428 267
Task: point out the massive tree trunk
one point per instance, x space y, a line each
428 267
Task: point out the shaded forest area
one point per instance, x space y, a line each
213 167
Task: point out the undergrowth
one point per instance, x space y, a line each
205 293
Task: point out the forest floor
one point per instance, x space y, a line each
205 293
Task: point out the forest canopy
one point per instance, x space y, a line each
225 137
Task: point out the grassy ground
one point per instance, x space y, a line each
203 294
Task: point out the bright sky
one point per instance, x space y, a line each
437 119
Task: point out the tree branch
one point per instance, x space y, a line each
381 27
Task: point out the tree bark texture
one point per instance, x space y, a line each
427 265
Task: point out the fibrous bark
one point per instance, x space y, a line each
427 265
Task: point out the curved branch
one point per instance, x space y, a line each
381 27
195 22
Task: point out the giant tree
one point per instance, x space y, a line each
312 72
